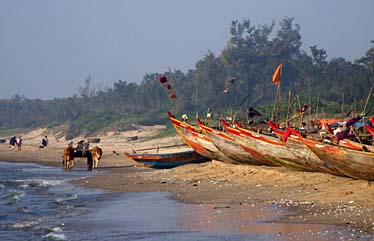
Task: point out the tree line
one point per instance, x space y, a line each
245 66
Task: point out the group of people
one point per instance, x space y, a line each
17 142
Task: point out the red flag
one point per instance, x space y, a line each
163 79
168 87
172 95
370 129
277 74
371 119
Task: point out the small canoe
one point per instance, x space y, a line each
167 160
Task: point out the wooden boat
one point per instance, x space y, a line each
239 138
198 141
208 145
293 154
227 144
167 160
352 163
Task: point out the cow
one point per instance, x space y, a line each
68 158
96 154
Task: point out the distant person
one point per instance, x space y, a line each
19 142
80 145
86 147
44 142
12 142
70 145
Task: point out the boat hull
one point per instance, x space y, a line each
293 154
355 164
232 149
198 141
168 160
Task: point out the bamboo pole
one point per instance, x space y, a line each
317 107
275 103
342 106
288 107
368 97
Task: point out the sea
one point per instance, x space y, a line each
39 203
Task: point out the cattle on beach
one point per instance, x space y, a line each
93 156
96 153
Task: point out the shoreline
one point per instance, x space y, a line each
316 198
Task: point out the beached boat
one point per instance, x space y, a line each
185 131
293 154
197 140
167 160
347 158
227 144
352 163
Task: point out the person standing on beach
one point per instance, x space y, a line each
12 142
19 142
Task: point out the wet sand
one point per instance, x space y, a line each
314 198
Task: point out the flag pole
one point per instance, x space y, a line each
276 80
275 103
288 107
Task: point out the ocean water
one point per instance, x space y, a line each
39 203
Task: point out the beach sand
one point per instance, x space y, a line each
316 198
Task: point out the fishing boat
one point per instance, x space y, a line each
227 144
293 154
197 140
349 159
167 160
352 163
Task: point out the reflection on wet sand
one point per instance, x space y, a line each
251 219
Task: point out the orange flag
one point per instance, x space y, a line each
277 74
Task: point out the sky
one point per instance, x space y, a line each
49 47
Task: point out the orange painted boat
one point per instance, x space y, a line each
197 140
292 154
227 144
352 163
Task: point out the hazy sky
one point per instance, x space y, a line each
48 47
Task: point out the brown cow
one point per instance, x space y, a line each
96 153
68 158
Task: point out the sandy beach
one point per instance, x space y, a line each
317 198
